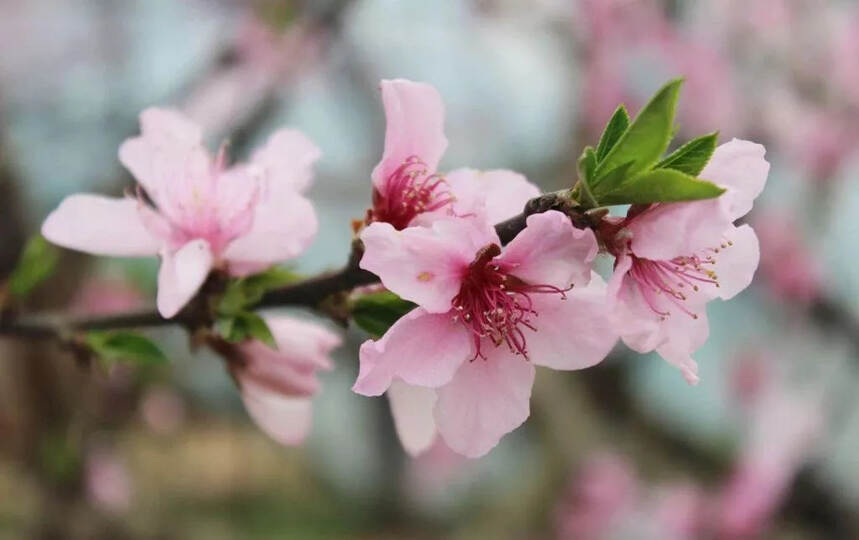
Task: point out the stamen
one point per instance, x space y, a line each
409 190
497 305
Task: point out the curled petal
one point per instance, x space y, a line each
736 264
740 167
485 400
550 251
573 333
422 349
424 265
101 226
412 409
285 419
308 344
287 160
415 127
181 275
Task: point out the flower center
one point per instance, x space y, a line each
673 279
409 191
494 304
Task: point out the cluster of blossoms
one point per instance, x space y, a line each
461 364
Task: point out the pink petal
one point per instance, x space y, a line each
550 251
101 226
678 229
169 149
412 409
276 370
285 419
575 333
287 160
739 166
283 227
643 330
677 355
181 275
424 265
622 264
497 194
485 400
423 349
308 343
415 127
736 264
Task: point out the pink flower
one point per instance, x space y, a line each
463 361
407 187
277 386
673 258
203 214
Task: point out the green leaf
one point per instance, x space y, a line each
113 346
587 164
692 157
376 312
613 131
647 136
661 185
246 292
244 325
615 178
37 262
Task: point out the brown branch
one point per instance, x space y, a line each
311 292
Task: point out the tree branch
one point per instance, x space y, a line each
311 292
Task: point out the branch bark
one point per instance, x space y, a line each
310 293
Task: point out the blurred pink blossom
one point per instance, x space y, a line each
791 271
163 410
102 296
108 484
243 218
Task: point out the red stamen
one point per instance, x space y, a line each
409 191
494 304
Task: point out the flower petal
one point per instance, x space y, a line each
285 419
673 230
736 264
287 160
424 265
740 167
573 333
169 148
485 400
276 370
412 409
423 349
497 194
284 225
308 344
181 275
550 251
101 226
415 127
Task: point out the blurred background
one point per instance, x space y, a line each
765 446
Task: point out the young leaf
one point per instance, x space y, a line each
612 179
586 164
376 312
613 130
112 346
661 185
692 157
244 325
245 292
647 136
37 263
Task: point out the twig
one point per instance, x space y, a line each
311 292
